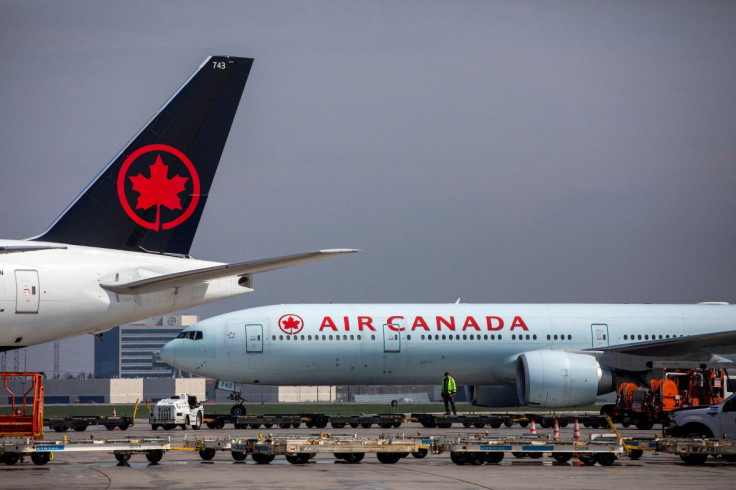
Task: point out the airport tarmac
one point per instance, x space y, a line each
185 469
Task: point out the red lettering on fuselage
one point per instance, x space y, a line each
518 322
364 323
395 327
491 319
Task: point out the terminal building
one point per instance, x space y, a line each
132 350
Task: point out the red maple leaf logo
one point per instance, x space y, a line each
158 189
291 324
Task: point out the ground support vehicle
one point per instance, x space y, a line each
80 423
715 421
678 388
496 420
216 421
349 448
696 451
41 452
384 421
177 411
482 449
26 410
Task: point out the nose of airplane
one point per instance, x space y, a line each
168 353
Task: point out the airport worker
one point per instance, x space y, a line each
448 393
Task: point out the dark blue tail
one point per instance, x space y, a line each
151 196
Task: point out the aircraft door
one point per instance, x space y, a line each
254 338
599 334
27 291
392 336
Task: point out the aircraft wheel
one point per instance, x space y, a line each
238 410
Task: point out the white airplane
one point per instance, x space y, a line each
119 252
544 355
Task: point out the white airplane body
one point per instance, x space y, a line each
548 355
120 252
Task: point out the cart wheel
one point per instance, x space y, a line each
207 453
689 459
110 426
605 459
337 425
388 458
300 458
41 458
366 425
81 429
354 425
11 458
261 458
122 457
239 455
562 457
124 426
420 453
587 459
154 456
494 457
636 453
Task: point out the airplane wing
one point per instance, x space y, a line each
712 343
26 248
179 279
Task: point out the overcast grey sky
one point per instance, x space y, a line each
491 151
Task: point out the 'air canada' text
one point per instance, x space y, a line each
437 323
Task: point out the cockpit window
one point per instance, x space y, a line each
191 335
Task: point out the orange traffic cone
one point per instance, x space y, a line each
576 431
114 413
533 430
557 430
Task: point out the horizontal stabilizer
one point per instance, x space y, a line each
187 278
26 248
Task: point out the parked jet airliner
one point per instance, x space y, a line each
545 355
120 251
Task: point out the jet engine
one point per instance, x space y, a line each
548 378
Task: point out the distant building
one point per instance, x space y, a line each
132 350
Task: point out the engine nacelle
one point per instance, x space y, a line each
548 378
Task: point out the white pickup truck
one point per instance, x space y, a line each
715 421
178 411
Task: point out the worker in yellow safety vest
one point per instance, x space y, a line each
448 393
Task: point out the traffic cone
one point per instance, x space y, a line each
557 430
114 412
576 431
533 430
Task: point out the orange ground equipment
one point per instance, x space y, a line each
26 409
644 407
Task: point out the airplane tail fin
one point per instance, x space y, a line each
150 197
